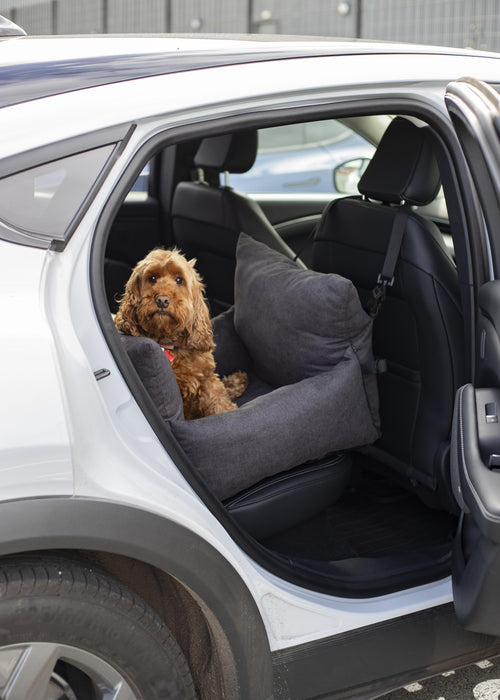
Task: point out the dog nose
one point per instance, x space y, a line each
162 301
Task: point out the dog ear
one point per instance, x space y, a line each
126 316
200 335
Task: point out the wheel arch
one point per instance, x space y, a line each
188 583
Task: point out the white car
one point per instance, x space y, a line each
339 534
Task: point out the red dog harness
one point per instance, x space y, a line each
167 349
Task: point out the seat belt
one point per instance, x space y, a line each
386 277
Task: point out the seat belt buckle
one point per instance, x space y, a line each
375 302
386 281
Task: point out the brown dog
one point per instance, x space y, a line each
164 300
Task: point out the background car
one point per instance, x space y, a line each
302 158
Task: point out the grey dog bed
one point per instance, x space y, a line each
305 342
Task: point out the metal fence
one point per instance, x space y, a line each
474 23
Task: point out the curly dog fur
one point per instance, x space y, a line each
164 300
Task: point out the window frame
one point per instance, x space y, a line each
117 137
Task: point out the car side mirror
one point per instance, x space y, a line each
346 176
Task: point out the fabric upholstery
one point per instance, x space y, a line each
298 323
156 374
293 323
321 408
268 435
279 430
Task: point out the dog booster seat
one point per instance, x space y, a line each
305 342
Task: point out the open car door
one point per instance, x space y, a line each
474 108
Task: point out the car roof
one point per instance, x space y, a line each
36 67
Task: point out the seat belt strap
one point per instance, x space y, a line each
386 277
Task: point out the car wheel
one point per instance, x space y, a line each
70 631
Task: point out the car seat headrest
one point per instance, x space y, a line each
403 167
234 153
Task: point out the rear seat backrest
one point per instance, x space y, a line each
207 220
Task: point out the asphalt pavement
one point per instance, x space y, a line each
480 681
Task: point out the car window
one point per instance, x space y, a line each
301 158
140 188
45 199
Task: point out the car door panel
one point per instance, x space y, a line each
476 482
474 108
488 364
477 457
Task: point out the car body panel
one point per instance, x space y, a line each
35 450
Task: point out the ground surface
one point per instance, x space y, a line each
480 681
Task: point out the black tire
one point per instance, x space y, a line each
68 627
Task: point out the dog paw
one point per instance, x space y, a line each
235 384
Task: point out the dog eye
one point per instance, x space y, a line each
152 279
179 280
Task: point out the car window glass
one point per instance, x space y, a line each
301 158
140 188
45 199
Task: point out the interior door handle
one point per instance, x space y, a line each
476 442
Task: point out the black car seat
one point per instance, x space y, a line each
418 332
207 219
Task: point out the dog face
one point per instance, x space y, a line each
164 300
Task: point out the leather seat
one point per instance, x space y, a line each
290 498
207 219
419 329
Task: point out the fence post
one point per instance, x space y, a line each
104 16
54 21
168 16
250 16
359 19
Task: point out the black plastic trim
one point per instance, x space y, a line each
372 660
71 523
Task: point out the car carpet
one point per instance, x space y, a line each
368 522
